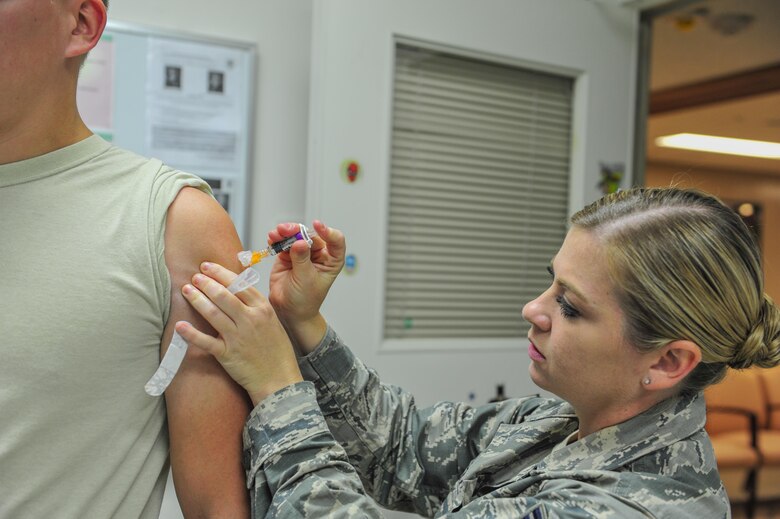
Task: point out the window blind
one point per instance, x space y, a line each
479 184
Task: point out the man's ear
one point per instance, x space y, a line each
677 359
89 20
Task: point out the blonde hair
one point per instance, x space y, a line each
686 267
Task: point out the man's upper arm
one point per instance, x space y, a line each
206 409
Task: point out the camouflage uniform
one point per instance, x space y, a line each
508 459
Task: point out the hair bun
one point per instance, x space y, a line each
762 346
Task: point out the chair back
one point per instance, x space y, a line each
770 379
730 402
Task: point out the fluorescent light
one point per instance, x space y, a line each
748 148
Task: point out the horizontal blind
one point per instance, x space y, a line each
479 192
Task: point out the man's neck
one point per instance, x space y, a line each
40 131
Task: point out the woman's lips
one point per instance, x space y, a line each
534 353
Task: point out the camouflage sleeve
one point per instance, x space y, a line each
563 498
294 466
407 459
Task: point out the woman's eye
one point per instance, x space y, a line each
567 311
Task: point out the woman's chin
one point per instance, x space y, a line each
536 376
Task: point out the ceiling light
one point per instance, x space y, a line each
746 210
727 145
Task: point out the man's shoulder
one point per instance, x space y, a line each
120 161
118 155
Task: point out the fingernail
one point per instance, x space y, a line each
198 279
186 289
206 265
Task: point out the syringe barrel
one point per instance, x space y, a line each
285 244
282 245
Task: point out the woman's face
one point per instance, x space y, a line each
577 349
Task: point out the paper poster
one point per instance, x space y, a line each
95 93
193 109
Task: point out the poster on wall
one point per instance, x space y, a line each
193 104
222 189
95 92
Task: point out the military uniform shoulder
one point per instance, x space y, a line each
539 407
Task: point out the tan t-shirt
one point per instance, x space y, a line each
84 298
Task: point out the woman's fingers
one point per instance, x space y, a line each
218 272
197 338
215 315
282 231
225 277
334 240
300 258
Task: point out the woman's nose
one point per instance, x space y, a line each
535 313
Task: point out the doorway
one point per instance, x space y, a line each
714 70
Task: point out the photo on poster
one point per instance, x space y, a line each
172 76
216 82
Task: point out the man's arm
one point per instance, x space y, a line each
206 409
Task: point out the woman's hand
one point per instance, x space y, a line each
252 345
300 280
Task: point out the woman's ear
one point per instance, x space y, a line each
676 360
89 19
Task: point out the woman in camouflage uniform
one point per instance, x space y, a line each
654 293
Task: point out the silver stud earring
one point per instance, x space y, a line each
646 381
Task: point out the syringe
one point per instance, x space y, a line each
250 257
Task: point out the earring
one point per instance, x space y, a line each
646 381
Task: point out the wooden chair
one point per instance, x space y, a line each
768 480
771 383
735 411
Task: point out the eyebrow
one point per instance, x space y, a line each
567 286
